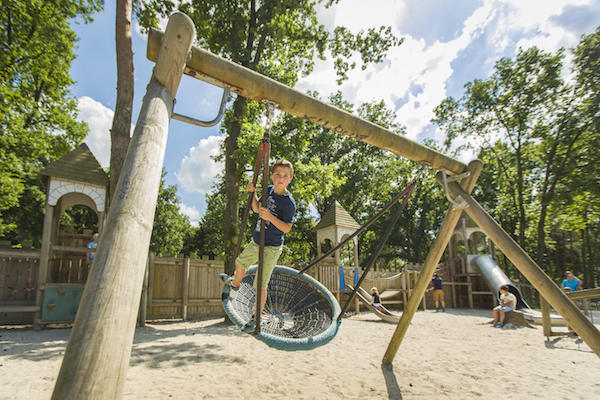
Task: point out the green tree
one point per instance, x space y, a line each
170 228
37 112
369 178
527 107
279 39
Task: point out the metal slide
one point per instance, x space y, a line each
365 297
494 277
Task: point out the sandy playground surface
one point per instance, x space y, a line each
451 355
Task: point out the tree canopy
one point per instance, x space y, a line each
278 38
537 133
37 112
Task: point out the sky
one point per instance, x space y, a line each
446 45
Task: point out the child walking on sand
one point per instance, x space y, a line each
279 216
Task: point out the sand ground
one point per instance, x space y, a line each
451 355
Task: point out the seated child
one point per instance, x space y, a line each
375 299
508 302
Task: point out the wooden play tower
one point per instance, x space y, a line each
97 355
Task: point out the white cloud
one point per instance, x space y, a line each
414 71
415 76
191 212
99 120
198 170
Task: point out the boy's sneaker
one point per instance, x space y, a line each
250 325
228 281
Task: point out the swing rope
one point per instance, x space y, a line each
300 313
408 191
262 162
404 193
263 199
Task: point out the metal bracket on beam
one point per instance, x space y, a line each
458 203
194 121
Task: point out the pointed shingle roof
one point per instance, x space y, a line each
336 215
78 165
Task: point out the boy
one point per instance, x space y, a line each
278 216
90 255
508 302
438 292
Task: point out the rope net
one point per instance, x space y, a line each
299 312
293 308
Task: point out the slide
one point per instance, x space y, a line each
365 297
494 277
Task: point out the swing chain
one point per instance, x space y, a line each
269 122
424 166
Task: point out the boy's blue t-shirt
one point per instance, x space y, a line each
571 284
283 207
437 283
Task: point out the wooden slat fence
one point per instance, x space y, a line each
183 288
18 282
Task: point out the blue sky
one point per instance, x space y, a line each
446 44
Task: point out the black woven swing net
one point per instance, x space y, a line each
294 308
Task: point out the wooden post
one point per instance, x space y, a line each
454 295
97 354
534 274
546 322
404 289
424 298
470 291
151 267
44 264
431 262
144 301
186 288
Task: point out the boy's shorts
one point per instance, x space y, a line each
438 295
249 257
505 308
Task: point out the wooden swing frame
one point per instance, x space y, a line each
97 354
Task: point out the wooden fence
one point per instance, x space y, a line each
178 287
181 288
18 283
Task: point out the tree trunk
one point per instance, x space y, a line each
121 126
541 235
232 183
520 205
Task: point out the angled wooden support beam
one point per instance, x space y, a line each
534 274
97 355
431 262
250 84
